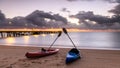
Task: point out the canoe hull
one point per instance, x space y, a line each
39 54
72 56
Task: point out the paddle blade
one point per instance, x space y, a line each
64 30
59 34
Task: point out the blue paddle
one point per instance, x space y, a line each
65 31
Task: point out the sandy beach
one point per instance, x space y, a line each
14 57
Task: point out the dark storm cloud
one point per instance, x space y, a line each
20 21
114 1
79 0
115 18
41 14
46 19
57 17
110 1
116 10
35 19
88 19
83 16
99 19
3 20
101 22
38 18
2 17
118 1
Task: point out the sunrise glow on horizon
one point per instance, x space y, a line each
91 14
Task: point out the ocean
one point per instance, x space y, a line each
83 40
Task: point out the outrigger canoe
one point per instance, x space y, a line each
39 54
72 55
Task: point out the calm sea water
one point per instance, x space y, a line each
87 40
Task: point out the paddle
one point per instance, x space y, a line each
55 39
65 31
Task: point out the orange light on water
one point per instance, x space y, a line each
52 35
43 35
36 36
10 40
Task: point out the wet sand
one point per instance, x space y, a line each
14 57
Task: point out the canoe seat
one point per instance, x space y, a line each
74 50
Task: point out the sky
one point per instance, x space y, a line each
13 8
74 13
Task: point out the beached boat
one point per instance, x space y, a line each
39 54
72 55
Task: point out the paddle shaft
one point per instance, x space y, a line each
71 40
65 31
55 40
52 43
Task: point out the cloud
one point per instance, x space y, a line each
83 16
20 21
91 20
110 1
86 19
101 21
35 19
115 19
2 17
116 10
3 20
57 17
41 18
80 0
65 10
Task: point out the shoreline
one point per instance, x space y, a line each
46 46
15 56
